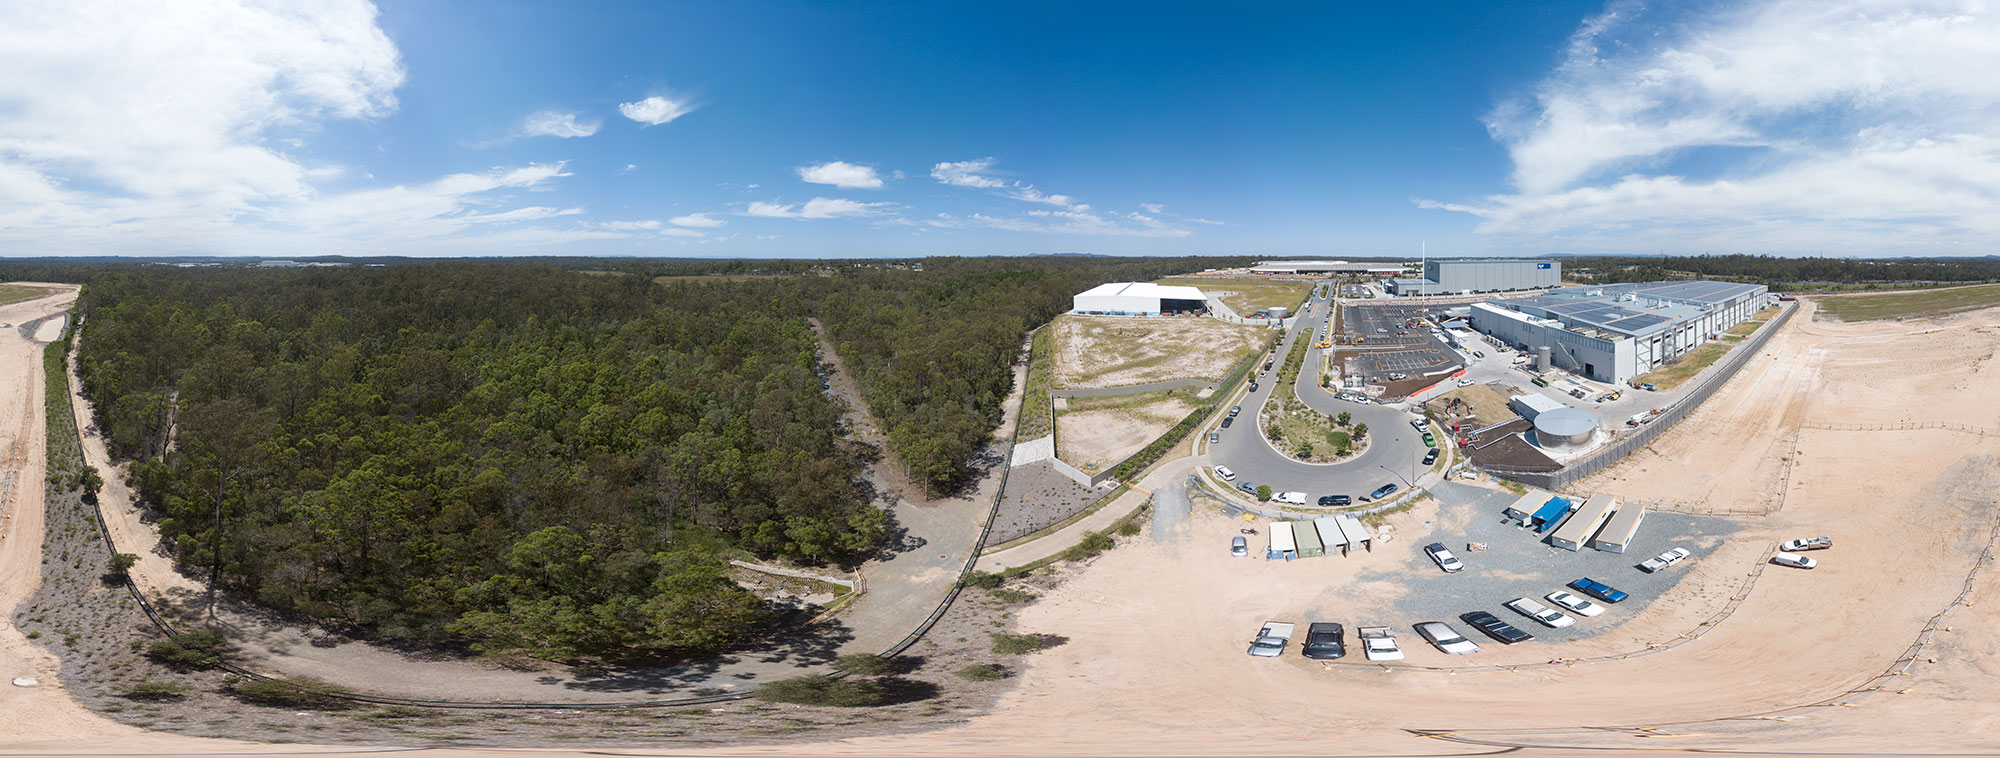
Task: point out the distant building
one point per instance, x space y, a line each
1139 299
1614 332
1469 277
1282 268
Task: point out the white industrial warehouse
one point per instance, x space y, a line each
1614 332
1470 276
1326 267
1139 299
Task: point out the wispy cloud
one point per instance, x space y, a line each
697 219
1851 125
656 110
817 208
1064 222
841 174
968 174
550 123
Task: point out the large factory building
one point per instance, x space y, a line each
1613 332
1467 277
1139 299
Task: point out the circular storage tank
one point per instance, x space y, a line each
1564 428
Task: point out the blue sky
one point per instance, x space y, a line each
834 129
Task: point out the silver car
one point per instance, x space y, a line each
1447 639
1239 547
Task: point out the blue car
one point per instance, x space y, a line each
1597 589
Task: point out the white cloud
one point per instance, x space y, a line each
1029 193
1852 126
1064 222
967 174
1153 207
631 225
440 208
550 123
656 110
697 219
817 208
841 174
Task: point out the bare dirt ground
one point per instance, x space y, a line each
1117 351
1910 511
1092 440
1037 496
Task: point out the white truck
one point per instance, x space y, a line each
1821 542
1294 498
1665 559
1270 641
1379 644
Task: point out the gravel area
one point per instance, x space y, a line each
1520 563
1037 496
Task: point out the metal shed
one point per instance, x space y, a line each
1584 522
1283 543
1619 531
1328 528
1355 532
1550 514
1308 539
1525 506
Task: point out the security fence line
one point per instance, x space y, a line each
1673 415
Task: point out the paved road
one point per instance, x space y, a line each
1395 454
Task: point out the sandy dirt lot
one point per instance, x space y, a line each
1117 351
1799 638
1106 436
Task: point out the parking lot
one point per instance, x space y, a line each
1397 585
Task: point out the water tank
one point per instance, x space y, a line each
1278 312
1542 362
1564 428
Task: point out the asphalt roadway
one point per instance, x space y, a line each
1395 454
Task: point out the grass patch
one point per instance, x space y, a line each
1513 486
1017 644
819 689
1036 419
1691 363
1250 295
980 672
16 293
1744 329
1918 304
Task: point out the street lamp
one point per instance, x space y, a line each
1399 475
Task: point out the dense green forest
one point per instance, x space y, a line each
527 458
1782 273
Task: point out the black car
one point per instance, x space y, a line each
1235 409
1383 491
1431 457
1253 386
1495 628
1227 420
1332 500
1247 487
1323 642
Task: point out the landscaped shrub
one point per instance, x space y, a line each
865 664
192 650
1012 596
1017 644
982 580
980 672
820 689
294 692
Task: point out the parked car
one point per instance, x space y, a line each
1431 457
1821 542
1574 604
1382 492
1225 473
1379 644
1323 642
1542 614
1465 382
1495 628
1333 500
1429 440
1250 487
1270 641
1445 560
1239 547
1253 386
1214 437
1227 420
1599 590
1446 639
1294 498
1235 409
1793 560
1665 559
1417 424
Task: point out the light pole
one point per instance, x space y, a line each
1399 475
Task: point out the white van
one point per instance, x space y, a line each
1225 473
1295 498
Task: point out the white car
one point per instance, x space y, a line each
1465 382
1379 644
1225 473
1543 614
1574 604
1445 560
1793 560
1446 639
1665 559
1821 542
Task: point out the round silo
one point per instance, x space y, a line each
1564 429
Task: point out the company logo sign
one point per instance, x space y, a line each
1542 265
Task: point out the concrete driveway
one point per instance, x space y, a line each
1394 455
